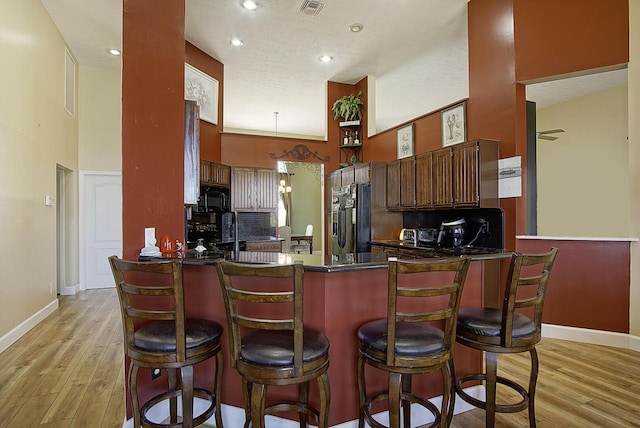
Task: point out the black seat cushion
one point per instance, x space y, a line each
274 348
488 322
160 336
412 339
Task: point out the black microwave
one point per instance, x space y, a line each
212 201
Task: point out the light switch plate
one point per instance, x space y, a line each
49 201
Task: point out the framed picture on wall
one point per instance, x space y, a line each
405 141
454 125
203 89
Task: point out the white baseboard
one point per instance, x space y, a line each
70 290
594 337
16 333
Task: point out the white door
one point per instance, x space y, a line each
102 227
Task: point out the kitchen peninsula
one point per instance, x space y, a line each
341 293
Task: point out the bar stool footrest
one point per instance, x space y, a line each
501 408
199 420
404 397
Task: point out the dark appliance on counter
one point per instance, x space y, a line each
351 219
452 233
459 229
205 220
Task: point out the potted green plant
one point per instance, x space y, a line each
348 107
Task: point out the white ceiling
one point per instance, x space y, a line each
415 49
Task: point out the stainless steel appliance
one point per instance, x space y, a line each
452 233
409 236
421 237
427 237
351 219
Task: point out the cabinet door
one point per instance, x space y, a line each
465 175
266 190
205 172
393 185
348 175
362 173
408 182
424 180
220 174
442 178
243 189
334 180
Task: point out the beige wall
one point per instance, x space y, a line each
634 161
36 134
583 174
306 200
100 125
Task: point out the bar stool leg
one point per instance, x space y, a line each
303 397
186 377
325 399
395 390
258 392
452 394
490 387
532 386
218 387
447 388
362 391
406 404
246 395
133 393
172 380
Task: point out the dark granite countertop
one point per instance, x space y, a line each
328 263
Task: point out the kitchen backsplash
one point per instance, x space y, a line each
256 224
491 219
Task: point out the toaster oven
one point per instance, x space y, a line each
409 236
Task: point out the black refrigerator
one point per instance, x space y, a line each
351 219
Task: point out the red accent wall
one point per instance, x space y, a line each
566 37
152 121
261 151
210 140
589 284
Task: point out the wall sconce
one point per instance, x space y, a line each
282 188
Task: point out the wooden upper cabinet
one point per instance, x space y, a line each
466 191
358 173
214 174
362 172
266 190
393 185
254 189
442 178
424 180
408 182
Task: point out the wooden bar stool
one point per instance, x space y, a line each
408 342
268 342
507 330
158 336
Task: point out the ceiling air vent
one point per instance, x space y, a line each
311 7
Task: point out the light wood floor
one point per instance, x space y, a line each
68 372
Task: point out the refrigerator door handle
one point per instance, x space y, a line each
342 226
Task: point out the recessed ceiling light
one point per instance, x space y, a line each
326 58
237 42
114 52
249 4
356 28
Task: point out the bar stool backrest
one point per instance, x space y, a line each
285 310
150 291
446 281
526 288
